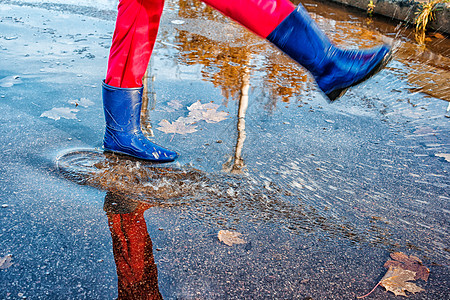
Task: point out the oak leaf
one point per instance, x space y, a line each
230 237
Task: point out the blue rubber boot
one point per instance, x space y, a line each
334 69
123 133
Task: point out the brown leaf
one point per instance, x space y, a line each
411 263
401 270
400 256
230 237
5 262
397 281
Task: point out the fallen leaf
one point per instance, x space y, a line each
411 263
397 281
210 115
5 262
9 81
180 126
439 36
57 113
206 112
230 237
197 112
446 156
401 270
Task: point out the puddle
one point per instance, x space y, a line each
320 193
10 81
215 199
204 41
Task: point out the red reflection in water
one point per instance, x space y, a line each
133 251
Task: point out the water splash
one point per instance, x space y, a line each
216 199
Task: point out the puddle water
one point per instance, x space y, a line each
205 41
218 199
321 193
102 4
370 196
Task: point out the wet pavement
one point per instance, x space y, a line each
321 193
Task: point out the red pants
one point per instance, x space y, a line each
137 26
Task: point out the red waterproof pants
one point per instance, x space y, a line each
137 26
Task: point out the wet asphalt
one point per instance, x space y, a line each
320 192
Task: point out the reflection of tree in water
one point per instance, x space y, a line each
225 63
235 163
192 9
284 78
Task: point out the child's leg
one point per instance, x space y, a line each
260 16
294 32
134 37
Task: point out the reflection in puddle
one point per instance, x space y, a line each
227 53
148 102
215 199
235 164
204 40
137 275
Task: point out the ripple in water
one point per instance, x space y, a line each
218 199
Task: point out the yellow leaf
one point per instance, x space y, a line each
230 237
397 281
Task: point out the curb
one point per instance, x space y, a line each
404 10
